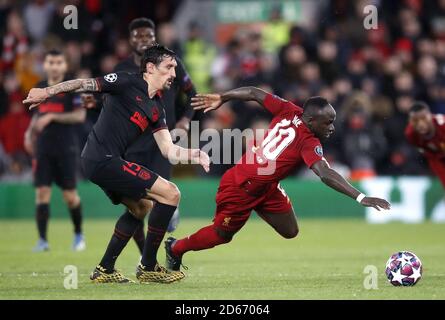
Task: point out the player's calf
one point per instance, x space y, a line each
205 238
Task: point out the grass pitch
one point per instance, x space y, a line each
326 261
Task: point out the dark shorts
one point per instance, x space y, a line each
55 167
152 159
119 178
234 203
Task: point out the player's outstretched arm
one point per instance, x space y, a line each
176 154
212 101
334 180
37 95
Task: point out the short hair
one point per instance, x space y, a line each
314 104
141 23
54 52
155 54
419 106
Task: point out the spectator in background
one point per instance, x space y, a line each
275 33
286 79
3 97
13 126
363 143
198 58
166 35
327 53
15 41
226 67
37 15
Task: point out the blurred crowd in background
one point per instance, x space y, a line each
371 77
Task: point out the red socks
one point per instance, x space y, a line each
205 238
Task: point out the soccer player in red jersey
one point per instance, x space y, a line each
253 183
426 131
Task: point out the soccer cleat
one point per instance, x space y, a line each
42 245
174 221
158 275
79 242
172 261
100 275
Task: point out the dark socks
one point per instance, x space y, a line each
157 225
139 236
42 216
76 218
124 230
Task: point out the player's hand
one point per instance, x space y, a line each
202 158
376 203
88 100
35 97
208 102
43 121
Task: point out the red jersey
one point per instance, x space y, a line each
433 148
287 143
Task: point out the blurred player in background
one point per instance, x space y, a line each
145 151
253 183
51 140
426 131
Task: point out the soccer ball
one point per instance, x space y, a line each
403 269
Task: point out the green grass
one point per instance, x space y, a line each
326 261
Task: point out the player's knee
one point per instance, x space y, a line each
43 194
71 198
173 195
290 233
224 236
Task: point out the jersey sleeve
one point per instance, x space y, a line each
113 82
312 152
277 105
158 122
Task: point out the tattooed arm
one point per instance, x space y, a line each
37 95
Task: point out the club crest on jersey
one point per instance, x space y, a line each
296 122
155 114
318 151
227 221
111 77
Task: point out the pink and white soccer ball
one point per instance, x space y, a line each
403 269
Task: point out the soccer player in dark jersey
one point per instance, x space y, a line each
145 150
253 183
132 106
51 140
426 131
